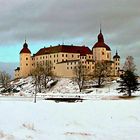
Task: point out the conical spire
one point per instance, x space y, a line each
100 43
100 36
25 45
100 28
25 48
116 55
116 52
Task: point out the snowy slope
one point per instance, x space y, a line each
67 88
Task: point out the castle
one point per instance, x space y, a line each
65 57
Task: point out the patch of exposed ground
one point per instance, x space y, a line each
123 97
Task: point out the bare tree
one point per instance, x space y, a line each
37 77
129 64
47 73
102 72
80 74
41 76
5 79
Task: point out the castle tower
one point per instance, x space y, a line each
25 61
101 51
116 59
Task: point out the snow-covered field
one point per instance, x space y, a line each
88 120
102 116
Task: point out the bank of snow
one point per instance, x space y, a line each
89 120
67 88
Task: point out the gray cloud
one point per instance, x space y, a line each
54 20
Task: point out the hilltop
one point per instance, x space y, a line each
24 87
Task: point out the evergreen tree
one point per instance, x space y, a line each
129 82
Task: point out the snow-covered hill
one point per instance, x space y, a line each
66 87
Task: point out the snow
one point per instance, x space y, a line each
88 120
103 115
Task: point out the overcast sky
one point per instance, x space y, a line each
51 22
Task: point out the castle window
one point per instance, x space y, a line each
89 57
46 57
54 55
88 67
40 57
26 58
71 67
72 55
54 61
107 55
67 63
54 68
62 55
66 55
50 56
57 55
67 67
43 57
26 64
75 63
102 53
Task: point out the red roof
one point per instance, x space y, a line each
25 49
66 49
100 43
